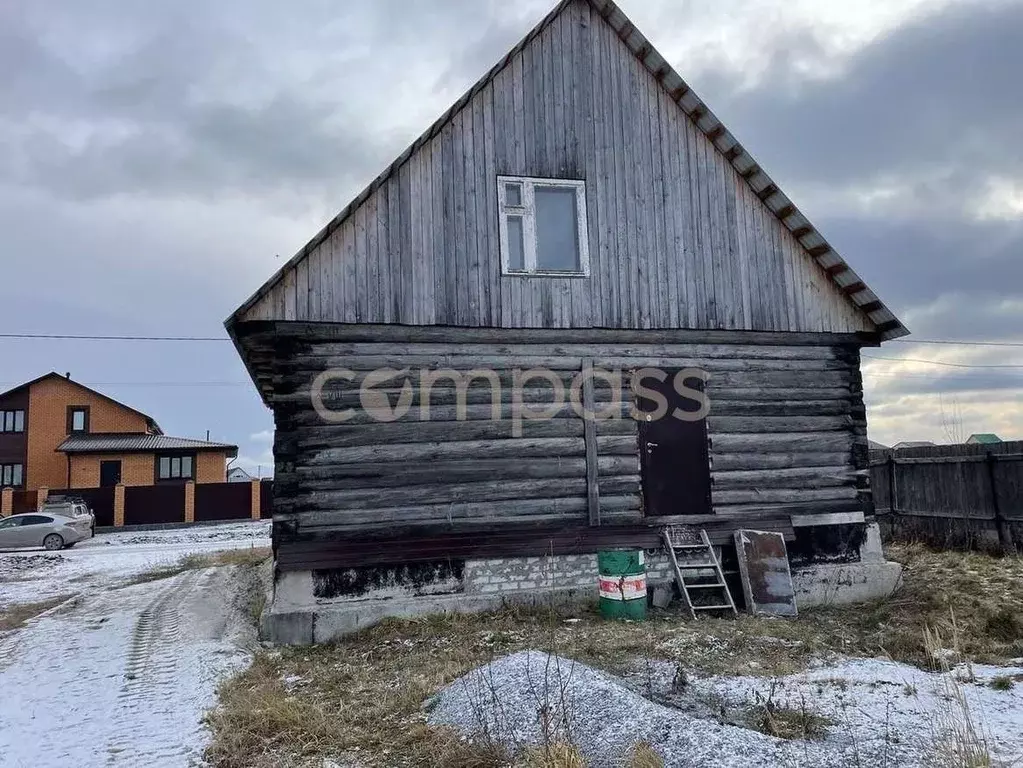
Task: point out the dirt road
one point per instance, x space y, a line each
123 675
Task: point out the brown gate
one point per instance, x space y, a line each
100 501
223 501
25 501
266 499
154 504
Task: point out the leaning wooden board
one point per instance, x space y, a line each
764 568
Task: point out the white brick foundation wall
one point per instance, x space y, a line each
512 574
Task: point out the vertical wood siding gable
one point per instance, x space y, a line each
678 239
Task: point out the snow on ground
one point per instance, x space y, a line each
121 675
881 712
28 576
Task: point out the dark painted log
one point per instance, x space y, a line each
322 332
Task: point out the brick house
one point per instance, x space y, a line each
58 434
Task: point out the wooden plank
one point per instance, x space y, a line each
290 298
302 290
383 255
486 208
362 267
425 284
405 270
327 251
628 308
590 439
467 171
394 234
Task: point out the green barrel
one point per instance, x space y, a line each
622 584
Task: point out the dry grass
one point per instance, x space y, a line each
363 695
960 740
552 756
250 557
644 756
791 723
15 616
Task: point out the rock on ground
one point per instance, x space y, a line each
879 712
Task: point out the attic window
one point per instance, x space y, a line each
543 226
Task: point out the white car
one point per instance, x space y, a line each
69 507
38 529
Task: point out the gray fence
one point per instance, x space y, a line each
961 496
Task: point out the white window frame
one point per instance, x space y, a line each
527 211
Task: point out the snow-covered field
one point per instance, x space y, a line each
120 675
30 576
878 713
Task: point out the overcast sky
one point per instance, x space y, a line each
159 161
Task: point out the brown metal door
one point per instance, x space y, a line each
109 473
673 452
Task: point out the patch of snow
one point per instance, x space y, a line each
28 576
882 712
121 677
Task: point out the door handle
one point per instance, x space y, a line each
651 445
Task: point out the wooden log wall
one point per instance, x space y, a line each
786 429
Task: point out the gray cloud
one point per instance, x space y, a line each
938 92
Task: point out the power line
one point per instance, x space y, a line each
962 343
83 337
936 362
96 385
89 337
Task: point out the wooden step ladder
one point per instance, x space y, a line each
699 555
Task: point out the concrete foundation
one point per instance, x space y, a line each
872 578
300 614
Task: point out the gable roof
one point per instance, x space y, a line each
814 244
150 421
987 438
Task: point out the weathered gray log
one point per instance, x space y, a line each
802 478
321 332
722 425
524 448
783 496
494 491
728 462
554 348
826 442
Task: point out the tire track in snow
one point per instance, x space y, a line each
151 678
9 645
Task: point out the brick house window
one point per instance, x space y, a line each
12 475
77 418
175 468
12 421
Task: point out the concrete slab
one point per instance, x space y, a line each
846 583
